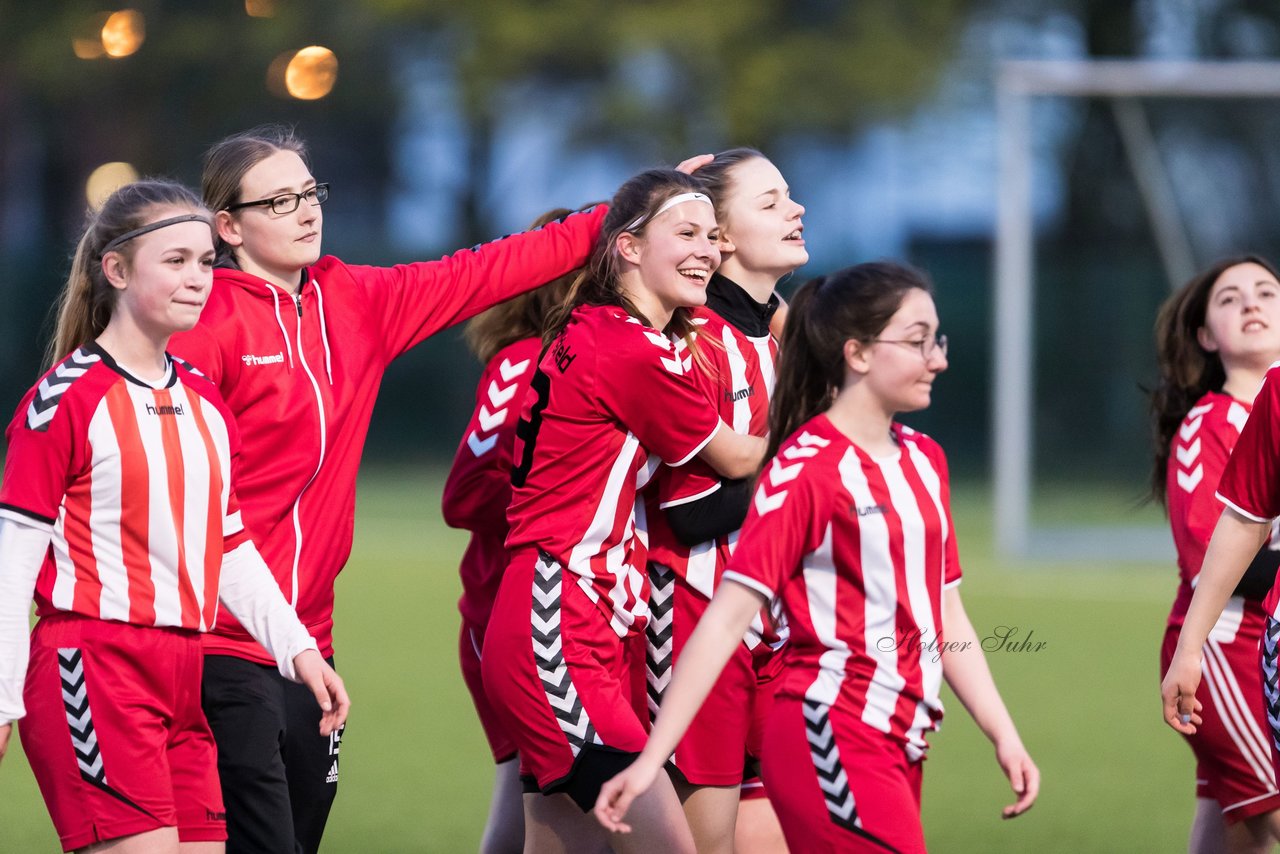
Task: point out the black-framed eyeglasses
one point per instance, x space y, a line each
925 346
286 203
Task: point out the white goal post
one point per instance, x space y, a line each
1123 82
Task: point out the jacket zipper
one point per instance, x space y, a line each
297 505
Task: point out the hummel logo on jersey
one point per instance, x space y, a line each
733 396
165 410
277 359
871 510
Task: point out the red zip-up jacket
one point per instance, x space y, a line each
301 373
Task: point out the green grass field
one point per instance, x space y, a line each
416 772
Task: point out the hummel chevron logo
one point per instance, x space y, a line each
479 446
500 395
1197 411
766 503
780 474
1187 454
826 763
45 402
1190 427
658 339
557 686
658 634
1190 480
490 421
84 740
510 371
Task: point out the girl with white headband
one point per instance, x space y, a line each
612 397
118 514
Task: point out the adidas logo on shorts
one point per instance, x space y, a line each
333 773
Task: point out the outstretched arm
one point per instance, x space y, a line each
965 669
717 635
1236 540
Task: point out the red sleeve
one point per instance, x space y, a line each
645 383
478 488
200 348
40 463
417 300
1251 481
786 521
686 483
1197 461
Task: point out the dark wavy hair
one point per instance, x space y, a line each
1187 370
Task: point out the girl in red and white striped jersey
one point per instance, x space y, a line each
118 511
612 398
851 529
508 339
762 242
1216 339
298 344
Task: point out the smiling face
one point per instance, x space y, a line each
1242 318
274 246
762 222
672 261
895 372
165 283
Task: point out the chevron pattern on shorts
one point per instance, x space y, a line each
832 778
1271 679
75 700
549 657
84 738
45 403
662 587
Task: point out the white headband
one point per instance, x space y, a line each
668 205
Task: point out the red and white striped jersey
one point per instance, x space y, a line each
859 549
135 484
1199 454
609 392
1250 482
738 379
478 489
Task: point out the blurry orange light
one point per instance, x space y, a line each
260 8
88 48
311 73
123 33
106 179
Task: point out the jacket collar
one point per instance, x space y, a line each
728 299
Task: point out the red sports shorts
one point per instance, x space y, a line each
716 749
837 784
1232 746
562 682
470 648
115 734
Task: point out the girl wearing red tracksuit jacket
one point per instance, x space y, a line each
298 345
508 339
